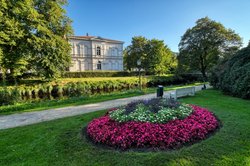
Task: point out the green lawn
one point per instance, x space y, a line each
59 142
50 104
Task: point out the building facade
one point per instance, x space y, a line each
96 53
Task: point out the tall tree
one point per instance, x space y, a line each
203 45
134 52
13 35
33 37
51 48
159 58
155 56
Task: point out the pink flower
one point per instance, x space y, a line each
138 134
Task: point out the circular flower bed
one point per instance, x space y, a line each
156 110
144 132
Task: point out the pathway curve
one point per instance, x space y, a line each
27 118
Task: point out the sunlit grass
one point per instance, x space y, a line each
59 142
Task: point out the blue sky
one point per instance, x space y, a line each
161 19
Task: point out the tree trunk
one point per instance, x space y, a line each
204 75
203 65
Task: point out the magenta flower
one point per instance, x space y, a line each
140 134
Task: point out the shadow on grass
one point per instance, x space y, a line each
60 142
229 146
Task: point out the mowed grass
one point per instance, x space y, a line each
59 142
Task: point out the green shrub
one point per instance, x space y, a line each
8 96
75 87
174 79
88 74
233 75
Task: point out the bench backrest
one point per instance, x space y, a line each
185 91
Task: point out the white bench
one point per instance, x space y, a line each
190 91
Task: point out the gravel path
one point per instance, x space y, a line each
27 118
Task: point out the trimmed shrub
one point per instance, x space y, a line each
233 76
8 97
86 74
67 89
174 79
75 87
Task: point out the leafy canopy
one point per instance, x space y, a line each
233 75
155 56
202 46
33 37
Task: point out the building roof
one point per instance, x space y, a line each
95 38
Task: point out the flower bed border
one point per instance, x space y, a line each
84 134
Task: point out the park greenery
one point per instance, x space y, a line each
77 87
60 142
33 38
35 53
155 56
44 104
232 76
156 110
205 44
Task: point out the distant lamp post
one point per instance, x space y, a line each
139 69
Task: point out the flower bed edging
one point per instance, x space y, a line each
171 135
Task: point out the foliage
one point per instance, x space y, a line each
134 52
61 140
154 110
202 46
173 134
73 88
33 37
155 56
233 76
86 74
9 97
174 79
38 105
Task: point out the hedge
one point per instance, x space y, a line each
69 89
174 79
233 75
86 74
78 87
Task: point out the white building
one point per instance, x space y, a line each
96 53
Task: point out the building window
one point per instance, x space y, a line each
98 50
99 65
85 50
78 50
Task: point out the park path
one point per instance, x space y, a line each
27 118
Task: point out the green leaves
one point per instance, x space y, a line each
156 57
233 75
142 113
202 46
33 37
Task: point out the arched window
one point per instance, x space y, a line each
99 65
98 50
78 50
85 50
